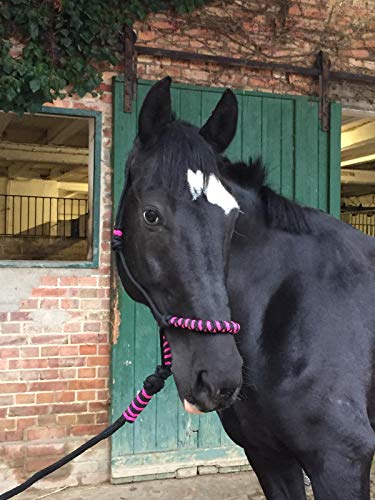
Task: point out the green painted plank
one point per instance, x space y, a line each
287 149
251 128
123 365
307 171
271 140
123 361
209 434
176 101
190 106
146 358
188 429
323 165
334 160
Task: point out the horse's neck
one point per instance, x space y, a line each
261 259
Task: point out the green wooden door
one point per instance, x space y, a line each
302 163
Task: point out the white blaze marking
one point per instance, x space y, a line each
215 192
218 195
195 181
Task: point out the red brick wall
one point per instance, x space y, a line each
55 379
55 353
54 336
274 31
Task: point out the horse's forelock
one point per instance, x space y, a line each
178 149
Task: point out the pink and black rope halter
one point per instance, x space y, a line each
144 397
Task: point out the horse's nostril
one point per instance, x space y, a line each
208 395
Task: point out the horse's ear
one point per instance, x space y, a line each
220 128
156 110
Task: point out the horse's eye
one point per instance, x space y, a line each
151 217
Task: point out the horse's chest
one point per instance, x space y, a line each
252 423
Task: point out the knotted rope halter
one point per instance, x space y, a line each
153 383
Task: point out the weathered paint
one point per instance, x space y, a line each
285 131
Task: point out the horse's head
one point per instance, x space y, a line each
179 220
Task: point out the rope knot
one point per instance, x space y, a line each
155 382
117 239
116 242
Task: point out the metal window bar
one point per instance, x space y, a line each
360 218
43 216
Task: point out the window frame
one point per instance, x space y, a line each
94 263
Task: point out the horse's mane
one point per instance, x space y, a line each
279 212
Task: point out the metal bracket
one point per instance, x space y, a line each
324 64
130 68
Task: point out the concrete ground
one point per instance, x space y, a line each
238 486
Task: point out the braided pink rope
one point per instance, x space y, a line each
204 326
142 399
167 353
137 406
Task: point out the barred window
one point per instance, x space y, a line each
47 184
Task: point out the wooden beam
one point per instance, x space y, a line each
64 174
79 187
63 155
359 136
350 122
60 135
350 176
72 194
358 160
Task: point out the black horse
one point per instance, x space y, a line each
208 239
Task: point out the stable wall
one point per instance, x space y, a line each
55 324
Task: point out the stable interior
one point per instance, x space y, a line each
358 170
45 174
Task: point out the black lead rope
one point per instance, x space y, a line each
151 386
51 468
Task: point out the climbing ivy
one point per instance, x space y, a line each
64 43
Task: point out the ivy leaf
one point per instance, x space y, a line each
35 85
34 29
10 94
66 42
